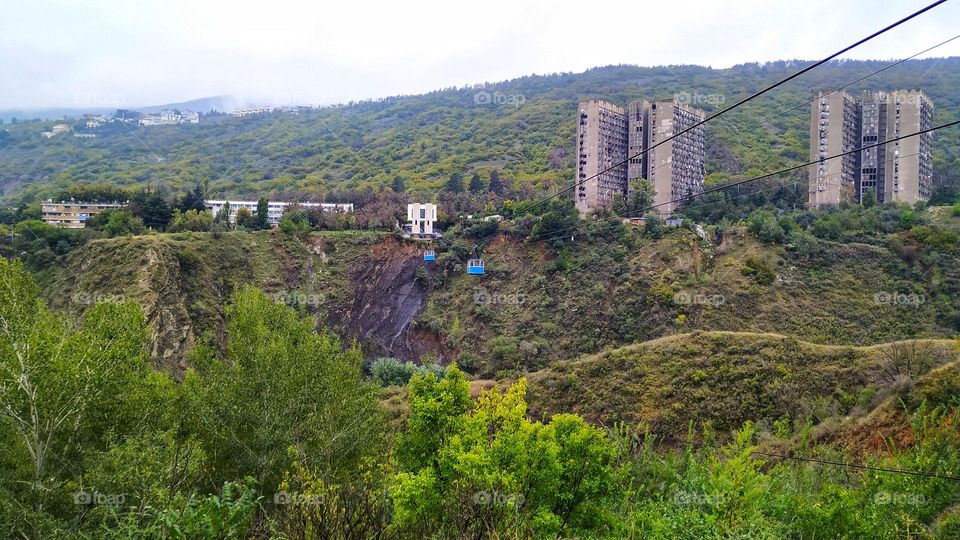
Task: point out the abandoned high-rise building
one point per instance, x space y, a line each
601 155
834 130
901 171
608 136
675 167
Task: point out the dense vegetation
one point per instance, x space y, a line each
282 437
420 141
176 375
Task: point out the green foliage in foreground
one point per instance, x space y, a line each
279 436
387 371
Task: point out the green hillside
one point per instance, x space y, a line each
724 379
536 305
527 134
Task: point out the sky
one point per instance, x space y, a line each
131 53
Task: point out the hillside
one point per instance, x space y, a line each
534 307
724 379
425 138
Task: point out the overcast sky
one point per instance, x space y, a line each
129 53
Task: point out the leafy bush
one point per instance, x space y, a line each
387 371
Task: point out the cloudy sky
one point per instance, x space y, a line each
65 53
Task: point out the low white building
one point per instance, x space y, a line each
421 217
275 209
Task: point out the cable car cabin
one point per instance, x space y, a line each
429 255
475 267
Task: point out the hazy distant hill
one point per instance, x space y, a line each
523 127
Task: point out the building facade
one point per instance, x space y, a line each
622 143
601 155
900 171
73 215
275 209
675 167
421 217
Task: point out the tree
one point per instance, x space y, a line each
869 198
640 196
245 219
496 185
62 390
195 199
454 183
223 215
476 184
263 214
151 207
487 470
117 222
284 388
399 184
191 220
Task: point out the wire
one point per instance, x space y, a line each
747 99
857 466
805 103
768 175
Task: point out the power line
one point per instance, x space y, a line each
748 98
768 175
805 103
858 466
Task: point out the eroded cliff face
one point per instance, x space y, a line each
362 287
386 298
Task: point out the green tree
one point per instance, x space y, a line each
284 388
454 183
869 199
487 470
245 219
263 214
496 184
476 184
399 184
151 207
191 220
63 391
223 215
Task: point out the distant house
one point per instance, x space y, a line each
251 111
162 118
674 222
275 209
73 215
421 217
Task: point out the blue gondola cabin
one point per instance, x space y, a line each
475 267
429 255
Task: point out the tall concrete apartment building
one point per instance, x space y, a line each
834 129
675 168
601 145
900 171
608 135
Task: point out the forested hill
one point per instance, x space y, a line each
523 127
